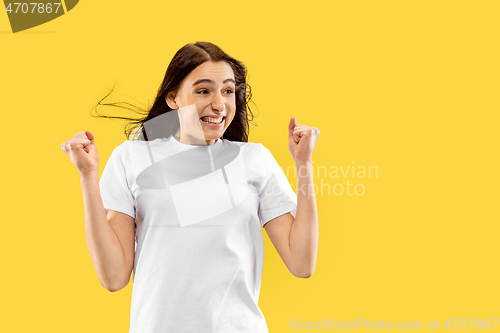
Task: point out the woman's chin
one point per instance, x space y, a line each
213 134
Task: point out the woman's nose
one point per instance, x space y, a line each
218 103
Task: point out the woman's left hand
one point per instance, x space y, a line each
301 140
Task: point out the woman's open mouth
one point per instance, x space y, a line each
213 121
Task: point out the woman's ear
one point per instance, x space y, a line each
170 99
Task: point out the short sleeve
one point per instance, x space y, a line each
114 184
276 196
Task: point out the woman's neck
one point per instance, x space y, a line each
191 141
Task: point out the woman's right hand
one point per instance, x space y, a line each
82 152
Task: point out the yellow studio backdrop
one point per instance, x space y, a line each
405 90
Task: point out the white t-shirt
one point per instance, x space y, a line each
199 244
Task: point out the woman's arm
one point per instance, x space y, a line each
296 240
304 232
111 243
110 239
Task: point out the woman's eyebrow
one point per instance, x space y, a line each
212 82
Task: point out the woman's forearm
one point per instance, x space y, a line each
305 230
104 246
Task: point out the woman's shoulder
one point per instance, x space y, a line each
120 149
253 152
250 145
132 145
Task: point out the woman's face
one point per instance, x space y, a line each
210 88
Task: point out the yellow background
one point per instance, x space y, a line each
411 87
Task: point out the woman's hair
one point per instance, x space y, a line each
184 61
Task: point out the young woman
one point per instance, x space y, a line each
182 206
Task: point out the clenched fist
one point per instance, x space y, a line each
301 140
82 152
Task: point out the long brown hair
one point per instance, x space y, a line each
184 61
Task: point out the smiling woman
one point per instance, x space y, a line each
189 78
214 99
183 206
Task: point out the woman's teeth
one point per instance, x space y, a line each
212 120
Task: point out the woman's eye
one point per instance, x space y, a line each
204 91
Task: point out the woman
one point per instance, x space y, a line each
192 193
